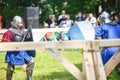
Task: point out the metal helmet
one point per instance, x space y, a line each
104 17
18 20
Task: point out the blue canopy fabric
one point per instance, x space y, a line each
82 31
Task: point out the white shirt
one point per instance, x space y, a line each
69 23
93 21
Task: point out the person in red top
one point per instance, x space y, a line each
15 34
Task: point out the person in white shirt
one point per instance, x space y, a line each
69 22
63 14
92 19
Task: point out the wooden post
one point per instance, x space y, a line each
83 66
112 63
98 64
88 62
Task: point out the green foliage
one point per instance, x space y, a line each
72 6
11 8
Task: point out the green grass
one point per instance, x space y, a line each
47 68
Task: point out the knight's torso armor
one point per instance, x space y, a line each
17 34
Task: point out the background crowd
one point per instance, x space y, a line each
64 21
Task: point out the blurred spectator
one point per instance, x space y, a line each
69 22
116 18
48 22
84 16
79 17
64 36
54 22
92 19
51 21
62 22
47 36
63 13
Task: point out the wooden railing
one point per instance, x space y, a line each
93 68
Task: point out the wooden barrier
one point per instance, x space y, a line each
93 69
41 31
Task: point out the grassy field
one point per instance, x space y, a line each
47 68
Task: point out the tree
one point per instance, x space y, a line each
11 8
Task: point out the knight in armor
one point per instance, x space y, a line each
108 30
15 34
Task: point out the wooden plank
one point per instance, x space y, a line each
3 30
66 63
103 43
98 65
10 46
42 30
50 29
83 66
88 61
109 42
112 63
